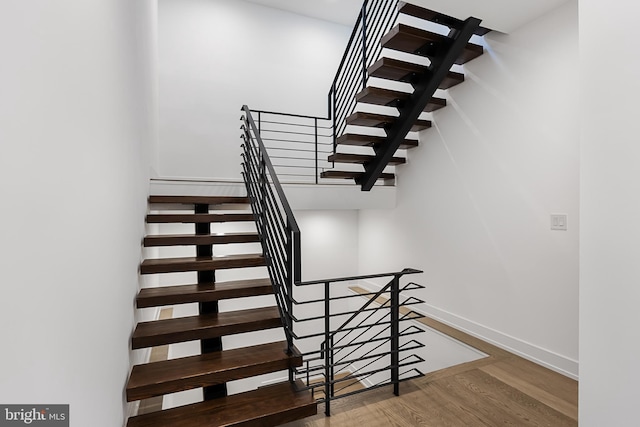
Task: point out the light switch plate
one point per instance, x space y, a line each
559 222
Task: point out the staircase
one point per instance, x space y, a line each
404 106
344 345
214 366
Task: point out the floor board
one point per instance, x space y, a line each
501 389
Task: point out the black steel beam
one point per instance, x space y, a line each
425 87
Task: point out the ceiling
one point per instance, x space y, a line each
342 12
501 15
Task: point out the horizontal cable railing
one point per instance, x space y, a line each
297 145
347 346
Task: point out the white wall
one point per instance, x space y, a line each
610 209
329 243
75 120
215 56
474 201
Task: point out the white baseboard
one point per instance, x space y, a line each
547 358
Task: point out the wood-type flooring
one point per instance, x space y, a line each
499 390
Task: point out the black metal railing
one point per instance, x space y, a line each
375 19
347 346
299 145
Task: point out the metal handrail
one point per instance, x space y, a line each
375 18
280 239
357 345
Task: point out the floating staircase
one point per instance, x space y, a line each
214 366
405 106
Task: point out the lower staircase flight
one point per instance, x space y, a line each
214 367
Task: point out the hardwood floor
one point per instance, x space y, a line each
500 390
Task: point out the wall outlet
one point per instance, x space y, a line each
559 222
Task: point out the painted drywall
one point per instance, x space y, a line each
610 208
502 15
215 56
329 243
474 201
75 120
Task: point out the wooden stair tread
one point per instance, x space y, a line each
370 141
198 218
436 17
267 406
174 375
402 71
194 239
361 158
394 98
351 175
381 120
421 42
205 263
169 331
200 200
184 294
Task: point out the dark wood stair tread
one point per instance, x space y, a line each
351 175
199 200
198 218
361 158
193 239
380 120
184 294
169 331
402 71
174 375
204 263
436 17
370 141
267 406
417 41
394 98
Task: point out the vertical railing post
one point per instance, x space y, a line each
259 123
262 181
395 334
328 349
289 289
315 121
335 112
364 45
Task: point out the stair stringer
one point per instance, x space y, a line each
425 86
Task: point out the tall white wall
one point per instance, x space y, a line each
75 121
329 243
610 211
215 56
475 199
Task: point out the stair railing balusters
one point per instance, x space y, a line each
328 349
334 108
364 45
395 334
315 125
375 18
280 239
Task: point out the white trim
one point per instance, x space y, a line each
302 196
274 381
547 358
